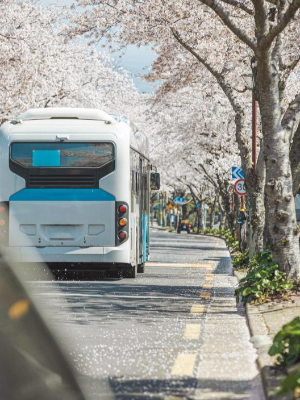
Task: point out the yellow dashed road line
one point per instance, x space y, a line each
207 286
184 364
209 278
205 265
172 398
192 331
197 309
204 295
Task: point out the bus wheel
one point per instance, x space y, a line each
130 271
141 268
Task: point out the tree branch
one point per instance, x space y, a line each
219 77
291 118
237 4
223 15
288 69
285 20
261 18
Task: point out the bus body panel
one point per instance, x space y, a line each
72 255
77 231
59 223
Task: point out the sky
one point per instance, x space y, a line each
135 60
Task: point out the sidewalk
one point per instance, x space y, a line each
265 321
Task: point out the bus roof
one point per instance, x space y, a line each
68 119
65 113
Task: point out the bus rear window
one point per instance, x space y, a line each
62 154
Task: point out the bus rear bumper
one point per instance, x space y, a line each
105 255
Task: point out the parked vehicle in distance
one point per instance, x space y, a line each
75 190
184 225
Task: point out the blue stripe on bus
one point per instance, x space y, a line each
62 195
145 238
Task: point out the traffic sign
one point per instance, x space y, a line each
179 200
198 204
239 187
170 207
237 173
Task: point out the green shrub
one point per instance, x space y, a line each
241 261
263 281
291 384
286 344
234 246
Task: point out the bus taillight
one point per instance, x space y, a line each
122 222
122 235
122 209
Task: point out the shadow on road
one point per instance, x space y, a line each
189 389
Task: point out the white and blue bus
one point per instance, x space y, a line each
74 190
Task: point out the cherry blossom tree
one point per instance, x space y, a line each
222 36
194 149
41 67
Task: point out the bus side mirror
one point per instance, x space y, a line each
155 181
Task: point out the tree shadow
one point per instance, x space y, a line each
182 388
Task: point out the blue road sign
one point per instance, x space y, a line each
179 200
237 173
198 204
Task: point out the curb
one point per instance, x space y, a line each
271 376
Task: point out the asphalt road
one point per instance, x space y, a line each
173 333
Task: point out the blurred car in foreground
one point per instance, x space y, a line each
32 366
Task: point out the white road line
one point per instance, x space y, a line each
184 364
192 331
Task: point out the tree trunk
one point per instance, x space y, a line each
256 208
295 161
281 225
221 215
254 183
229 214
200 216
212 213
